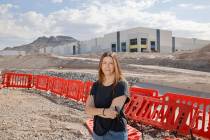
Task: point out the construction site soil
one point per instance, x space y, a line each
31 114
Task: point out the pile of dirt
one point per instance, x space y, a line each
198 54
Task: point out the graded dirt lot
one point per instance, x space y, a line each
29 116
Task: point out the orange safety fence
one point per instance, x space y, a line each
174 112
177 113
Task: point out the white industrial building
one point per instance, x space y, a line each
131 40
187 44
141 40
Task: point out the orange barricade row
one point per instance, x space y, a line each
174 112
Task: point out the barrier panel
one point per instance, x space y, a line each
75 89
197 112
17 80
87 88
133 134
180 114
42 82
56 85
143 91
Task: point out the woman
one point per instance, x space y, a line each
107 98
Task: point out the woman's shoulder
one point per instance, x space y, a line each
122 82
96 83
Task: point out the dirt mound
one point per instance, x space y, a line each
205 49
198 54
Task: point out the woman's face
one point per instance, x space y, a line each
107 66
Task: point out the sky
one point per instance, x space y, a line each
23 21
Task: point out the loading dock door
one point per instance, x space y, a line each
113 48
74 50
152 44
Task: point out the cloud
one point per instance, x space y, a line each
193 6
56 1
166 1
95 18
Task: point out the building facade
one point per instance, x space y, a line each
131 40
141 40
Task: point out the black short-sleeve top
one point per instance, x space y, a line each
103 96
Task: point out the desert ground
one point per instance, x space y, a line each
29 114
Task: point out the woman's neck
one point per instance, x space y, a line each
109 79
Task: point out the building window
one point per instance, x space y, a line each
133 41
114 48
123 46
143 41
133 50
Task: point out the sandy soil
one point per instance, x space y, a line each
28 116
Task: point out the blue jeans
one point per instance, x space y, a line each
111 135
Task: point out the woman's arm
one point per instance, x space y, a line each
118 102
90 109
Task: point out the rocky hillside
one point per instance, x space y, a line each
43 42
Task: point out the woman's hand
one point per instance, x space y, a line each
110 113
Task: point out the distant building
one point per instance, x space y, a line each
12 52
141 40
64 50
131 40
187 44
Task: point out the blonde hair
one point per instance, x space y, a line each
117 70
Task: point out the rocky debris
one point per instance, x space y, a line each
25 115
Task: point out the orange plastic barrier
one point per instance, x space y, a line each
171 112
41 82
56 85
143 91
87 87
133 134
197 112
17 80
75 90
